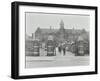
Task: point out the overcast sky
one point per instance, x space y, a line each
43 20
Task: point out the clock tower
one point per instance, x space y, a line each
62 31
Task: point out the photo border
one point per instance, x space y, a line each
15 39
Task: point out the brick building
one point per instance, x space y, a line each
61 34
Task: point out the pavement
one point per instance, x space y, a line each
56 61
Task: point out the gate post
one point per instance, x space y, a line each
50 48
36 48
80 48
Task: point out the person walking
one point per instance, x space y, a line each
64 51
59 49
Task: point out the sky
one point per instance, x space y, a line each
45 20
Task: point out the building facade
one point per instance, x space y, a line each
60 35
73 40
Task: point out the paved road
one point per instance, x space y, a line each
68 60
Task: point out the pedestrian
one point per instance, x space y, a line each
59 48
56 51
64 51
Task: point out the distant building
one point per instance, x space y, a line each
28 44
75 40
61 34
